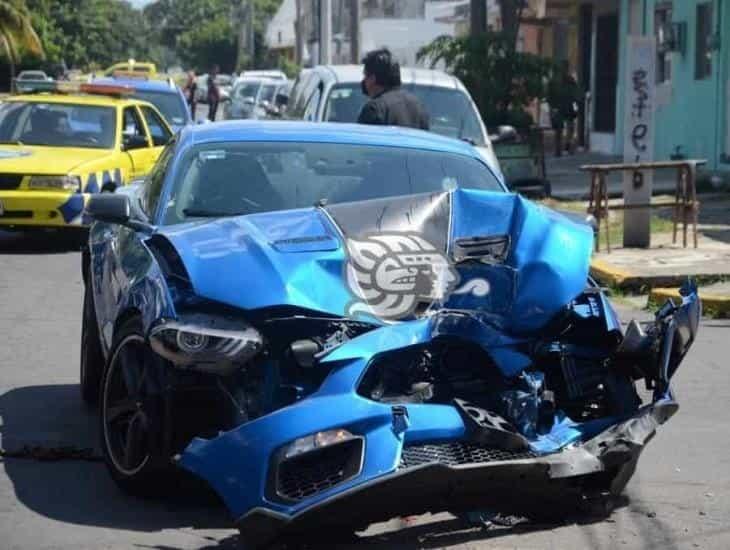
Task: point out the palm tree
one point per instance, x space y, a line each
17 33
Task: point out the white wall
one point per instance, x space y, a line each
404 37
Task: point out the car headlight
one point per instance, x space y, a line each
206 343
64 183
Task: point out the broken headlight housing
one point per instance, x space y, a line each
207 343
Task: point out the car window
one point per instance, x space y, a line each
57 124
451 112
153 183
158 131
267 93
310 111
170 104
221 179
300 93
246 90
132 125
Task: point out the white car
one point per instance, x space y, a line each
332 93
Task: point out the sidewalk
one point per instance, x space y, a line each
568 182
661 269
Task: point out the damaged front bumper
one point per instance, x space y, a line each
427 478
338 459
510 486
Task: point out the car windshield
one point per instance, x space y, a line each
170 104
227 179
57 124
450 110
246 89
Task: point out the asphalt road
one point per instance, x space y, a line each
679 498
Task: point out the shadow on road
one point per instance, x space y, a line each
40 242
82 492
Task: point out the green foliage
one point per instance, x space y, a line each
208 44
502 81
84 32
17 35
206 32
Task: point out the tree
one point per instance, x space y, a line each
502 81
89 33
16 32
510 11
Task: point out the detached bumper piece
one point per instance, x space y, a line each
459 476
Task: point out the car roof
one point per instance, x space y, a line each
317 132
143 85
409 75
75 99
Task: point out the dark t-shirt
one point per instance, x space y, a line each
213 93
395 107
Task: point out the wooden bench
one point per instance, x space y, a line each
686 205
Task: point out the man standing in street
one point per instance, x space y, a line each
563 97
388 104
191 89
214 93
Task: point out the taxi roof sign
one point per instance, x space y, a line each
67 87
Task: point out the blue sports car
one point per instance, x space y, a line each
337 324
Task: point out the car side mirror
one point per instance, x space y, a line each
134 141
109 208
114 208
504 133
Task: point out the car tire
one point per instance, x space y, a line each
91 363
132 420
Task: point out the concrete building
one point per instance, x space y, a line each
404 26
691 114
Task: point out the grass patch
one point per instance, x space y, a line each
660 221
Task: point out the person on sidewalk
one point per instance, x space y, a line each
563 97
191 89
388 104
214 93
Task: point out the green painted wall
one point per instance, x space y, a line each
695 111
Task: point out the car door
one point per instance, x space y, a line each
159 132
136 142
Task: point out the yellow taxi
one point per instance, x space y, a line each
132 66
65 142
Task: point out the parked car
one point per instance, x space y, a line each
337 324
132 66
253 98
25 80
332 93
268 73
225 85
163 94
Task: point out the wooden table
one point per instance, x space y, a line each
686 205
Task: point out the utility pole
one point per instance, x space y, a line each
325 32
478 13
355 31
251 33
299 34
242 35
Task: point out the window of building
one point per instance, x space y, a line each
662 31
703 40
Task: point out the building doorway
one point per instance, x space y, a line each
606 73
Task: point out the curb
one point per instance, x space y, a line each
610 275
720 304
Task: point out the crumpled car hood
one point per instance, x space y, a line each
300 257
